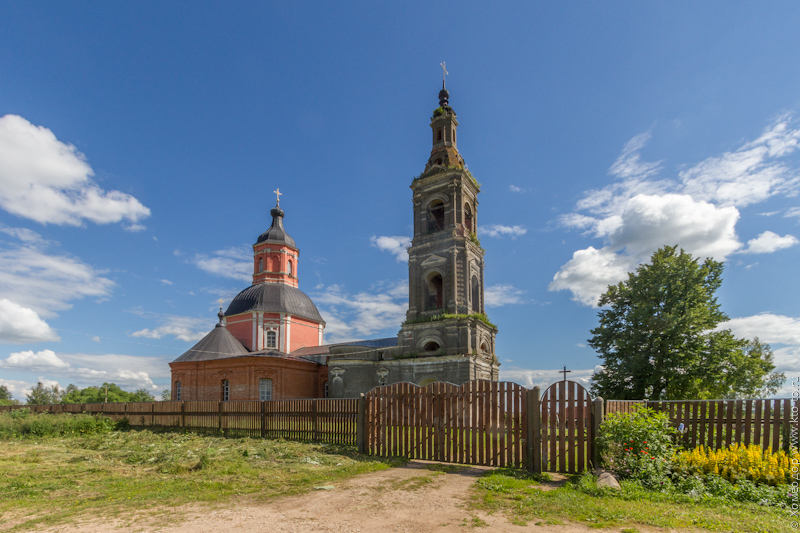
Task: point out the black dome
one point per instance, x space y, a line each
218 344
276 233
274 298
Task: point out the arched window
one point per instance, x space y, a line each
435 289
435 216
272 339
290 270
476 295
261 264
177 390
439 135
264 390
431 346
468 219
226 388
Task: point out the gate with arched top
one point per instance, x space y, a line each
483 423
566 428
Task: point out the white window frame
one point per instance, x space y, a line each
264 389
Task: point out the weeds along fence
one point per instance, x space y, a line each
315 420
717 424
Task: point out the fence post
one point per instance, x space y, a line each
263 419
219 416
597 419
361 424
314 434
534 444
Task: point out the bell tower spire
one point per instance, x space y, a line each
446 310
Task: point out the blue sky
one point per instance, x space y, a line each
140 143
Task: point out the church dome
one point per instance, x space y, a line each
276 232
274 298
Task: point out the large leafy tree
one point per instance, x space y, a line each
659 337
5 396
44 395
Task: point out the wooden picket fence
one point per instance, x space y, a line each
717 424
317 420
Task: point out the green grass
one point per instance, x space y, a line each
520 496
50 480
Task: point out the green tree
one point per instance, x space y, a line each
659 339
42 395
166 395
6 398
111 391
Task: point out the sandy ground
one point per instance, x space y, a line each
414 498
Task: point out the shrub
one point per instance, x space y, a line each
21 423
638 446
738 463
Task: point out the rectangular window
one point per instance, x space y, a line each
272 339
225 390
265 390
177 390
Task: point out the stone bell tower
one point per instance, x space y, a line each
446 310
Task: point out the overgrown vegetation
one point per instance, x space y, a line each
21 423
521 497
446 316
639 447
143 475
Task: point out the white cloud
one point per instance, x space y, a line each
166 281
46 180
20 325
95 339
37 278
589 273
232 263
629 164
396 245
515 189
129 372
503 294
769 242
359 316
793 212
498 230
17 388
773 329
750 174
697 211
184 328
543 378
30 359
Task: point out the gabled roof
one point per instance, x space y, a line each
218 344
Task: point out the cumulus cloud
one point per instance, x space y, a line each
184 328
232 263
35 276
503 294
698 211
396 245
360 316
769 242
34 360
130 372
49 181
499 230
767 327
20 325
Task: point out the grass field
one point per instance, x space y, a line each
520 496
57 479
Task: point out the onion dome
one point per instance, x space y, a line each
276 233
274 298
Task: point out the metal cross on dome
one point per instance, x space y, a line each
278 193
444 72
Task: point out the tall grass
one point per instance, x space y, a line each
21 423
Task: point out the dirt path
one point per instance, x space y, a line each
417 498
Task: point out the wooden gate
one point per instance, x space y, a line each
480 422
566 428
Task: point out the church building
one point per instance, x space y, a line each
268 344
